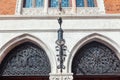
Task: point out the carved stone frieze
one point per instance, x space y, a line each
32 11
65 11
88 11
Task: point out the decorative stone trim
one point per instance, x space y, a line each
66 11
100 5
87 11
32 11
75 11
63 76
19 7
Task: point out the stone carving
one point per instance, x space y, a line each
88 11
61 76
54 11
95 59
32 11
26 59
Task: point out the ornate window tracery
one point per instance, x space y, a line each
95 59
26 59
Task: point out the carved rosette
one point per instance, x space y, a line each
26 59
95 59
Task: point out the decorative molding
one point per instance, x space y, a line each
54 11
33 11
63 76
88 11
65 11
19 7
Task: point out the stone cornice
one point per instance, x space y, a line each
21 17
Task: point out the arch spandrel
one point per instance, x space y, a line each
92 37
28 38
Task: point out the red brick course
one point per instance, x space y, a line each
7 7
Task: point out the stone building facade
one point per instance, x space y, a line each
83 27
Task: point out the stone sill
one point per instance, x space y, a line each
100 16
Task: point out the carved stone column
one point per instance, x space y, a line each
85 3
19 6
74 6
46 6
63 76
33 3
100 4
95 2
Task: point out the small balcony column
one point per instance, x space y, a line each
33 3
46 6
19 6
95 2
85 3
100 5
74 6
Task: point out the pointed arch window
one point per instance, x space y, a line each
80 3
33 3
27 3
90 3
85 3
54 3
39 3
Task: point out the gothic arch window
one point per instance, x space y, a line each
86 3
33 3
90 3
26 59
65 3
80 3
95 59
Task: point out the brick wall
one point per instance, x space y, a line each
7 7
112 6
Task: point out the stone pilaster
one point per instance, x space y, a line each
74 6
100 5
19 6
46 6
33 3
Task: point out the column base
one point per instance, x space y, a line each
63 76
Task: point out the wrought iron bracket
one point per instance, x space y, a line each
60 47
